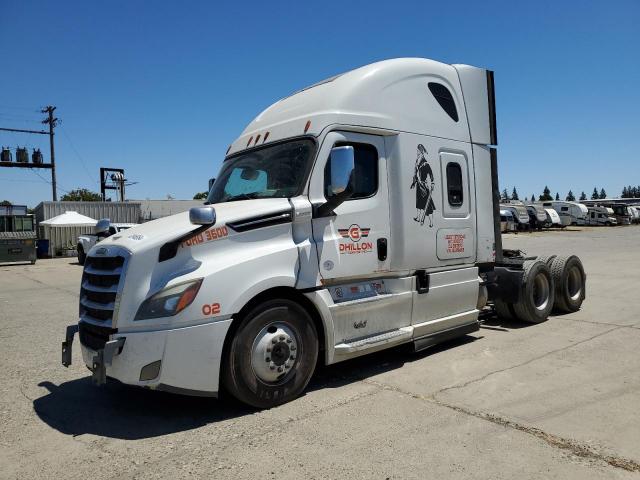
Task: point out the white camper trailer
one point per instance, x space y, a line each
355 215
571 213
553 218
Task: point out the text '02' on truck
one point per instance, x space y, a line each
358 214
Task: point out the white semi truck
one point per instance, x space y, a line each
355 215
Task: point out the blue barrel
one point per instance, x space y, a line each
43 248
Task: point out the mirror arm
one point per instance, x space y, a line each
327 209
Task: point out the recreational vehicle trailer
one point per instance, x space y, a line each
520 214
600 216
553 218
507 223
571 213
355 215
537 216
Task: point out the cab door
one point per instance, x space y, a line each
353 243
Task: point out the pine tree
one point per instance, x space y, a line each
625 192
557 196
533 197
571 197
603 194
505 195
546 195
514 194
594 195
583 196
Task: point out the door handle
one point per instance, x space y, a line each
382 249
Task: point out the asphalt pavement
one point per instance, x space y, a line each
554 400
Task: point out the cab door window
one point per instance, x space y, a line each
365 175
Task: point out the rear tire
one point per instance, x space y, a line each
272 354
81 255
570 283
504 310
548 259
536 293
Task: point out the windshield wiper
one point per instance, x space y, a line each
243 196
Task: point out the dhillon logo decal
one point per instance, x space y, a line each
355 234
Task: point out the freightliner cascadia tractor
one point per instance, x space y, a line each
355 215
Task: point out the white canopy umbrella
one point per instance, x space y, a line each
70 219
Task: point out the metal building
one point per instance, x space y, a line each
61 239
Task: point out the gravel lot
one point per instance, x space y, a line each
555 400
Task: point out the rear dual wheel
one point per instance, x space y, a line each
570 283
549 282
536 294
272 354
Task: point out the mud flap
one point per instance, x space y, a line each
103 358
68 344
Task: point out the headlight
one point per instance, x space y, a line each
170 301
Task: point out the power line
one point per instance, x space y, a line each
13 107
84 165
47 181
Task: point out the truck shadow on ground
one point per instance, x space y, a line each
119 411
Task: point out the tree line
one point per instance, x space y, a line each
545 196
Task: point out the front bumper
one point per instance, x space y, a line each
188 357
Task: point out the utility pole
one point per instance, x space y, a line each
51 121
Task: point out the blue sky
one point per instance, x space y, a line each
162 88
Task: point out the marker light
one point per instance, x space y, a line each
257 139
249 142
170 301
306 127
266 135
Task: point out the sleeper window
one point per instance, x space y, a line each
454 184
365 176
445 99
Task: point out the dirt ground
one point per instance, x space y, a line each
555 400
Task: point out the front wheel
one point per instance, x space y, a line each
272 354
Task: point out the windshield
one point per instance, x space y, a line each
277 171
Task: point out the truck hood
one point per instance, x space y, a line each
156 233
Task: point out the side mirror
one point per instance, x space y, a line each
211 182
342 164
342 167
102 227
202 215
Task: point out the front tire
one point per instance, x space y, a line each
81 255
272 355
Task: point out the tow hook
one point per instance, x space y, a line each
103 358
68 344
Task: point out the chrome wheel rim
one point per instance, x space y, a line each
541 292
274 353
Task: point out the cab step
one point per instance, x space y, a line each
439 337
365 343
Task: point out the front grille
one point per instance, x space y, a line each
100 287
93 336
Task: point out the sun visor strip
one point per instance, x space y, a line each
262 221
